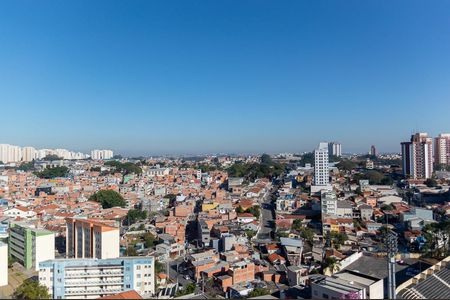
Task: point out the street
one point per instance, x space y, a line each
267 221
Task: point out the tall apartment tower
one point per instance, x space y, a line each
28 154
373 150
91 239
321 173
417 156
442 149
29 245
3 264
101 154
335 149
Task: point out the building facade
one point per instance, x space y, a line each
3 264
417 156
91 239
321 172
335 149
94 278
101 154
373 150
29 246
442 149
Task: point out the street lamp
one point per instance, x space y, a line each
391 243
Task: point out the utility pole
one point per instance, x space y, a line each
391 249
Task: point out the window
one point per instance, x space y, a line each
316 293
138 267
138 276
325 296
128 286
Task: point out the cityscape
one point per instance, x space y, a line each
236 149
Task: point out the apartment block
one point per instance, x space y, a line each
87 238
442 149
3 264
94 278
417 156
29 245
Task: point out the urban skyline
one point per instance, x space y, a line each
151 78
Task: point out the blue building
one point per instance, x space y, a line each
93 278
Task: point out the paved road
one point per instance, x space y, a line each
267 220
173 272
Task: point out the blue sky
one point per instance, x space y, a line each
153 77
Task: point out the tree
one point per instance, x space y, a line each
134 215
250 234
338 237
258 292
31 289
239 209
159 267
431 182
332 264
52 157
27 166
131 251
149 240
188 289
346 165
50 173
254 210
124 168
96 169
108 198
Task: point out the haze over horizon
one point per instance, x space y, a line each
173 77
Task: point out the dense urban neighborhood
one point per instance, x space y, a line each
320 224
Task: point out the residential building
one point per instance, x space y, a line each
3 264
442 149
28 154
373 150
417 156
101 154
91 239
335 149
328 202
29 245
321 173
10 153
94 278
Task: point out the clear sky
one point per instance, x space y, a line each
154 77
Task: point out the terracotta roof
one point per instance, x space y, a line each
124 295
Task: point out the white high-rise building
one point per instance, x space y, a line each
335 149
28 153
3 264
101 154
442 149
321 173
417 156
10 153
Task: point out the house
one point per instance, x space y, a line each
366 212
245 218
21 212
293 250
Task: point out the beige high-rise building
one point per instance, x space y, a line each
442 149
91 239
28 153
10 153
417 156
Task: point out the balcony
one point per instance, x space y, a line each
93 292
93 283
92 274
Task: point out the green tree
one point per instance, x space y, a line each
31 289
52 157
346 165
332 264
131 251
149 240
50 173
108 198
96 169
159 267
431 182
134 215
258 292
239 209
254 210
188 289
250 234
338 238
